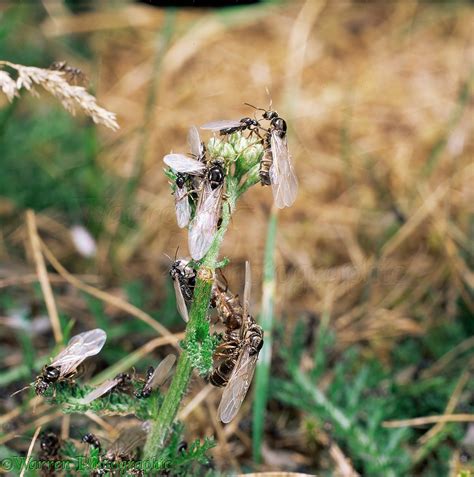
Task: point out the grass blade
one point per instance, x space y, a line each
266 321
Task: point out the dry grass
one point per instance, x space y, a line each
72 97
379 88
382 140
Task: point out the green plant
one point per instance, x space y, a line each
353 397
241 156
262 374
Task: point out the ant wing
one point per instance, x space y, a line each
194 142
282 175
104 388
180 302
238 385
183 209
129 439
184 164
162 371
204 225
78 349
223 124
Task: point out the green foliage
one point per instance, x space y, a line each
200 348
362 394
179 461
175 459
115 402
199 345
49 162
262 375
49 159
223 263
54 166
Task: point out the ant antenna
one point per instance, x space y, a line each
20 390
255 116
226 283
270 97
254 107
175 255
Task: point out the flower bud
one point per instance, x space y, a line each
215 147
250 156
228 152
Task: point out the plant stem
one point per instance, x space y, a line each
197 330
252 178
262 374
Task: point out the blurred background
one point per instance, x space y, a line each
374 307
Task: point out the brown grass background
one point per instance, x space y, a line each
381 131
378 130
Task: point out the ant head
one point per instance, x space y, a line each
123 377
180 180
270 115
41 386
150 372
254 123
250 122
48 440
178 268
174 271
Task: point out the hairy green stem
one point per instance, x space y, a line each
252 178
197 330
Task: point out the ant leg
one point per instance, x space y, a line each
188 193
226 283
